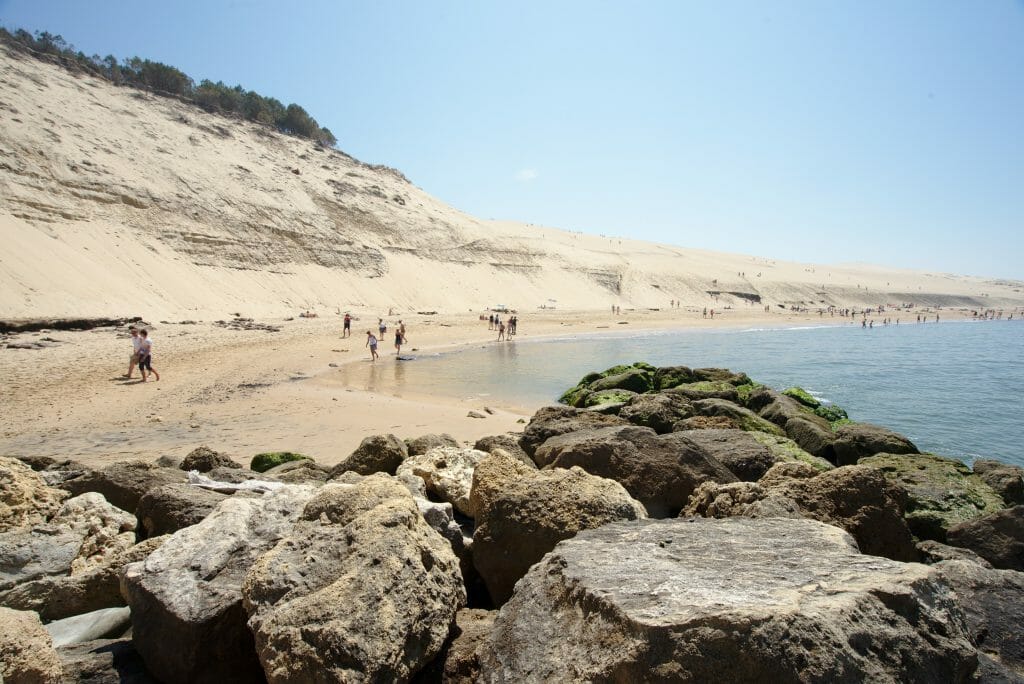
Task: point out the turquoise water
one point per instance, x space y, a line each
954 388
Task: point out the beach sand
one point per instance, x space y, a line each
302 389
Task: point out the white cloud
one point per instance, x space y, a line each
526 175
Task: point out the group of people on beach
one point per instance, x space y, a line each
382 328
505 330
142 354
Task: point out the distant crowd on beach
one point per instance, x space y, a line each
506 329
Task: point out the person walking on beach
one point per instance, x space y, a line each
501 331
146 356
133 359
371 342
382 327
398 341
346 330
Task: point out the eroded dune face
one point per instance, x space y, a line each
111 195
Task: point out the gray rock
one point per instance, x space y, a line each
169 461
26 650
508 442
813 434
932 552
375 454
204 459
58 597
188 623
104 661
732 600
859 440
659 471
105 623
992 602
124 483
998 537
1007 480
360 589
775 406
856 498
297 472
424 443
737 450
447 472
240 475
657 411
522 513
169 508
743 418
550 421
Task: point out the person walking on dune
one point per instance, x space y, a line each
371 342
146 356
133 360
346 330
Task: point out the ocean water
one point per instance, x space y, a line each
954 388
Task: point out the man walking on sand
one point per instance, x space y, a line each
346 330
371 342
146 356
136 344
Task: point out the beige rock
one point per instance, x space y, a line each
27 655
25 499
447 472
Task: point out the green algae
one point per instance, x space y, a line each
261 463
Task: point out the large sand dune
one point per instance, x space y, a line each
118 202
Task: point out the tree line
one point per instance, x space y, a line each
167 80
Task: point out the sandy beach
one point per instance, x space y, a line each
303 388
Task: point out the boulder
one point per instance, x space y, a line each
657 411
509 442
932 552
1006 480
991 601
58 597
522 513
447 472
104 661
204 459
856 498
188 623
855 441
297 472
943 492
672 376
375 454
734 600
240 475
26 650
706 423
720 375
550 421
744 418
169 461
997 537
269 459
124 483
169 508
424 443
637 380
813 434
737 450
360 589
105 623
457 663
786 450
706 389
776 407
609 400
659 471
25 498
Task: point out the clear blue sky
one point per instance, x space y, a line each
870 131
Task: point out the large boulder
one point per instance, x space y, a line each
992 603
521 513
424 443
509 443
375 454
124 483
785 449
447 472
82 535
204 459
169 508
457 663
25 498
360 589
998 537
672 376
104 661
706 389
743 418
942 491
858 499
733 600
637 380
551 421
660 411
775 406
26 650
855 441
62 596
659 471
188 622
813 434
297 472
103 623
1005 480
737 450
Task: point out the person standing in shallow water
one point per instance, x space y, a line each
398 341
371 342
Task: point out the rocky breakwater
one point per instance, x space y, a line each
675 524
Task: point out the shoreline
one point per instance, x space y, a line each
246 391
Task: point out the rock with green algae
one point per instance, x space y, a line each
707 389
575 396
833 414
803 396
612 396
787 450
943 491
269 459
637 380
743 418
